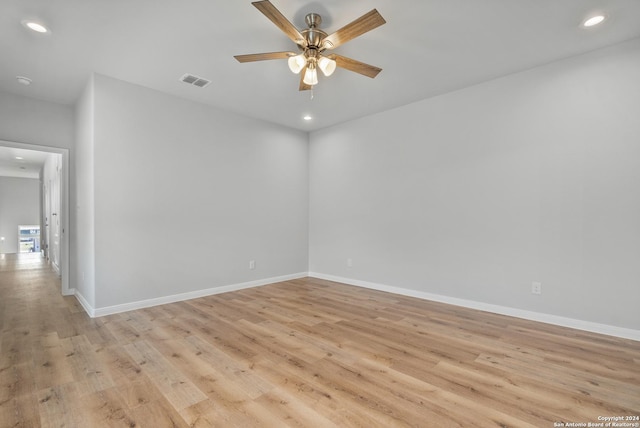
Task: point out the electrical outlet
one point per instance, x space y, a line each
252 264
536 288
349 263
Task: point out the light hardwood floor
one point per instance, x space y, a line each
303 353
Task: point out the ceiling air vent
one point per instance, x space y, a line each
195 80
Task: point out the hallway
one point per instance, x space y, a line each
33 317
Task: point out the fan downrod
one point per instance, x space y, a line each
313 20
313 35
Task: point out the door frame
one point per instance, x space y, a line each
64 207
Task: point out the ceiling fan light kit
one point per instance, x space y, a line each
313 42
310 75
327 65
297 63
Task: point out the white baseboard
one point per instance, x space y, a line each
125 307
610 330
84 303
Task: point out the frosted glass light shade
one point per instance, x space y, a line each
311 76
297 63
327 65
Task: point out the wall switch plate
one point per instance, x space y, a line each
349 263
536 288
252 264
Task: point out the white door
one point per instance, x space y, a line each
47 219
54 246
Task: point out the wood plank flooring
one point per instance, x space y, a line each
303 353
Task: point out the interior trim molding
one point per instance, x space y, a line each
140 304
625 333
69 292
84 303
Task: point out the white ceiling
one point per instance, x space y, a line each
427 47
28 166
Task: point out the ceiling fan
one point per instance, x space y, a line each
313 42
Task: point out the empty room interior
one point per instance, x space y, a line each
320 214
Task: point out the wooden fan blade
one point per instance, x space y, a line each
263 56
304 86
274 15
356 66
366 22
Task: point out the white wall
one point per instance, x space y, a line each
83 212
19 205
186 195
31 121
477 193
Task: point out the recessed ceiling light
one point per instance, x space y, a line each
594 20
23 80
19 157
307 117
35 26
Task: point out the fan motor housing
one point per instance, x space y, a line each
313 35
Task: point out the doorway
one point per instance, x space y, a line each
29 239
53 236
